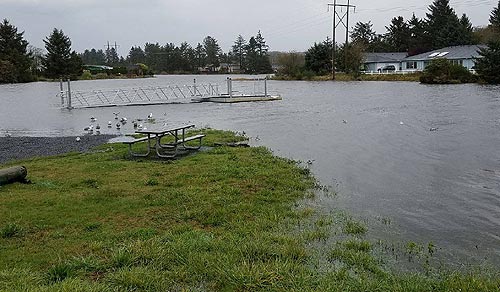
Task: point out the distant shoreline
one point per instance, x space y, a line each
414 77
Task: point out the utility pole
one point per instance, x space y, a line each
341 17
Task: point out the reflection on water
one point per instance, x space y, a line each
441 185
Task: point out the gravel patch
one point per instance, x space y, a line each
16 148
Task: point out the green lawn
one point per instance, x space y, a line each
224 219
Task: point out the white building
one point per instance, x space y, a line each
462 55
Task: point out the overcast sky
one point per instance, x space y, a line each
285 24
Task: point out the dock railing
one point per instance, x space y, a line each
135 96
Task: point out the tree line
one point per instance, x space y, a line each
20 62
249 57
441 27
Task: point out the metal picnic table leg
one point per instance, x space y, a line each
159 147
138 154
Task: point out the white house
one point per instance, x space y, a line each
462 55
378 61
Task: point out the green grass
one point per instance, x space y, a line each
223 219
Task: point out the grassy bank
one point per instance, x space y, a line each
364 77
225 219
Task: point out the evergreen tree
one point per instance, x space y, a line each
318 58
153 52
467 31
398 34
263 62
201 56
495 17
93 57
212 51
444 26
488 65
238 51
136 55
252 56
14 55
112 58
362 33
419 38
60 61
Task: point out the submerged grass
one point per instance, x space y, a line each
220 220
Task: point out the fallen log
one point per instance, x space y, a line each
13 174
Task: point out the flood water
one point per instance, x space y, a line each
440 186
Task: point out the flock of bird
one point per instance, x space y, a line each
95 127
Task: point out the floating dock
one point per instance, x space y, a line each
238 99
239 90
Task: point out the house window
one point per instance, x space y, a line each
411 65
457 62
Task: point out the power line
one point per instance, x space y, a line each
342 16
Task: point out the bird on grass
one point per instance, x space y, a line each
78 139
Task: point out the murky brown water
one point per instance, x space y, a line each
441 186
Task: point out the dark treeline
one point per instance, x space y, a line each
245 57
20 62
441 27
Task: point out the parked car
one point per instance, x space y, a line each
387 68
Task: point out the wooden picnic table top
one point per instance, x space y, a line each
159 131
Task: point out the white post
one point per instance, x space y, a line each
69 94
62 91
229 87
265 87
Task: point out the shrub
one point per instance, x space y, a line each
442 71
86 75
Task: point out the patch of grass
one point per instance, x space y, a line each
11 230
352 227
152 182
92 226
58 273
356 254
91 183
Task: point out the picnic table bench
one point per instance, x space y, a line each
169 149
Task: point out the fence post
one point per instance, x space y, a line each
61 90
194 86
265 87
230 86
69 94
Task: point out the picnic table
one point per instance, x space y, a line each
169 149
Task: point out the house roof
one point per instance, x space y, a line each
384 57
456 52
